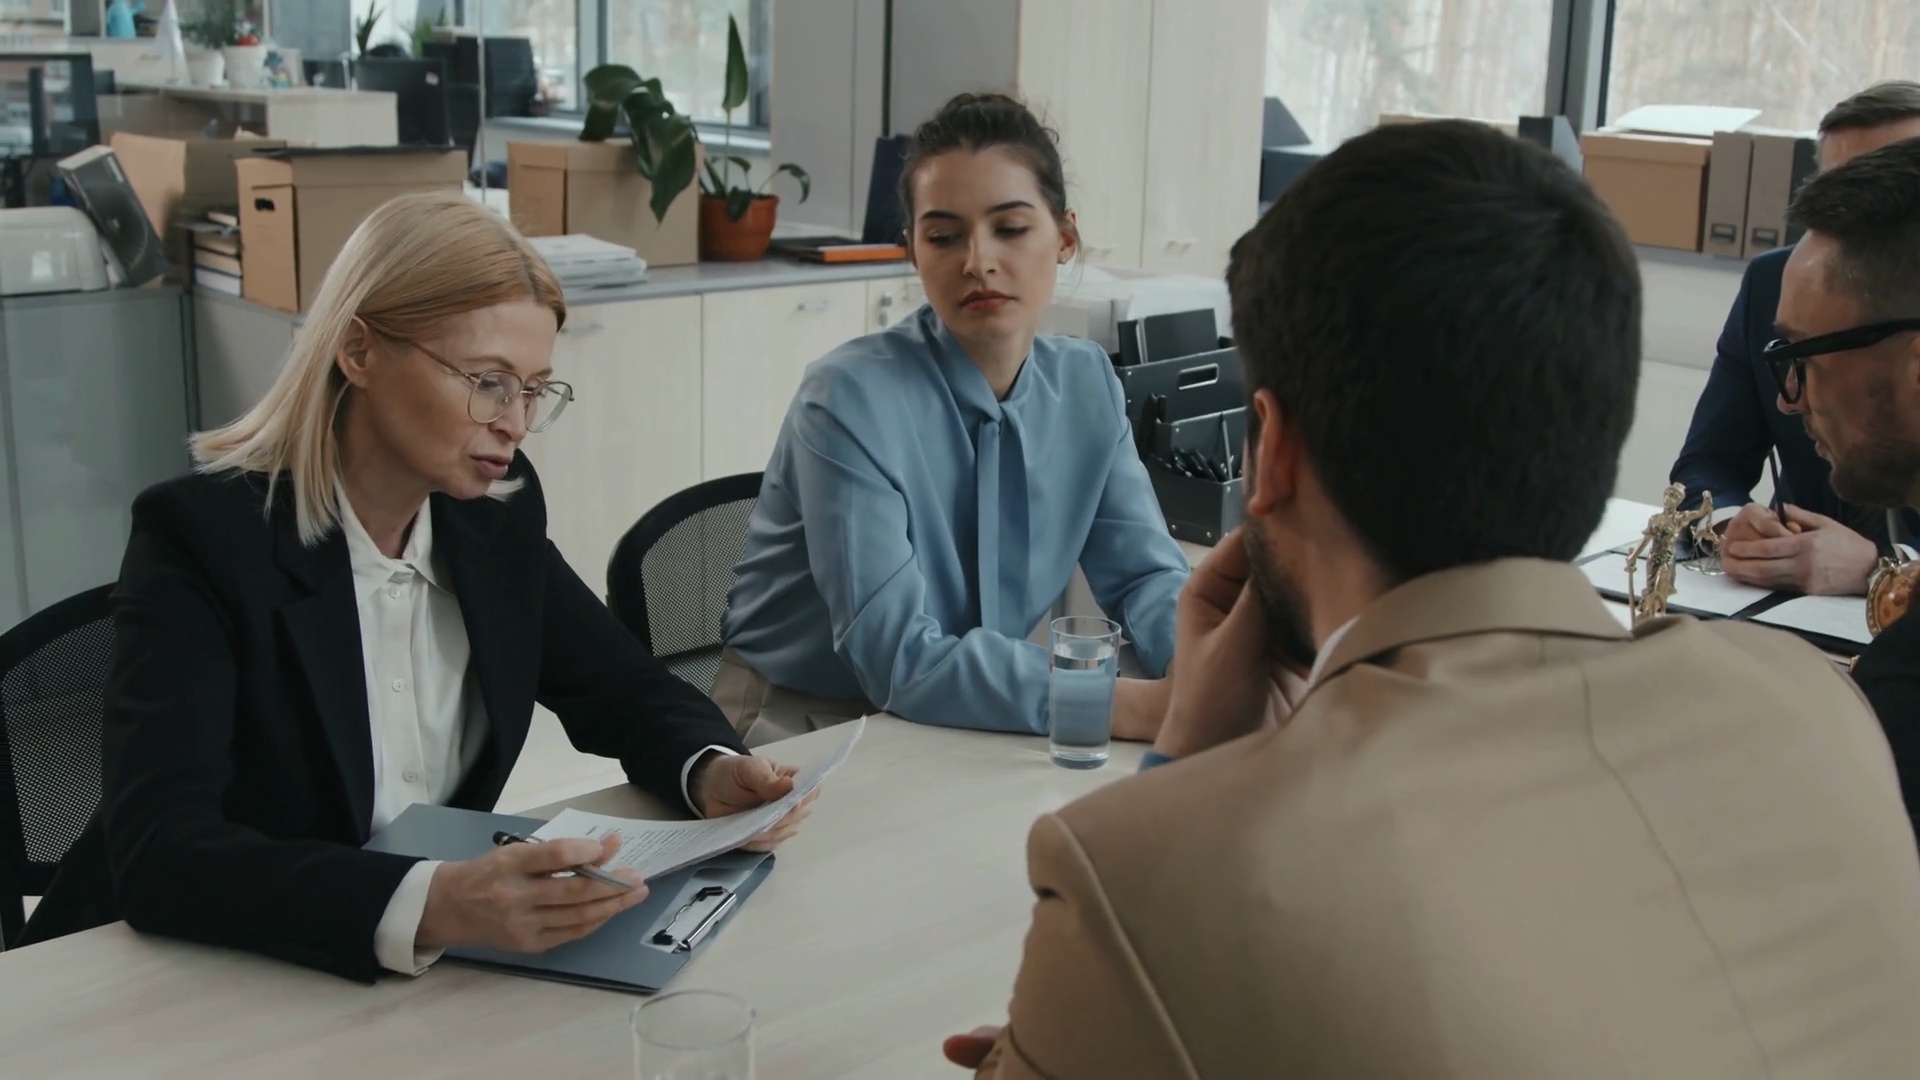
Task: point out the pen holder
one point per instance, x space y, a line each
1197 511
1201 434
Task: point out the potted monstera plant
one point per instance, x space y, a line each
736 216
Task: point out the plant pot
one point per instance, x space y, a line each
246 66
206 67
746 240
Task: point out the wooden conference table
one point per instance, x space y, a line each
893 920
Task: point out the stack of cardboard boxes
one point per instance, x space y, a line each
1725 194
263 219
593 189
299 206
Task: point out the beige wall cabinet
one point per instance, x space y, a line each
1083 65
631 437
756 345
1202 159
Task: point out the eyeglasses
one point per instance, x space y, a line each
494 392
1788 359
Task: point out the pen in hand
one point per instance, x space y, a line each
1779 497
591 873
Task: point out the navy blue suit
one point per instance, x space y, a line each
1738 419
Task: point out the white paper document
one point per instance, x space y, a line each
654 848
1700 593
1621 526
1843 617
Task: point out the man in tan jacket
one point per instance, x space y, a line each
1494 835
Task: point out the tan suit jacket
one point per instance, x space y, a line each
1500 838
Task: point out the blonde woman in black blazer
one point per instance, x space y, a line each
352 605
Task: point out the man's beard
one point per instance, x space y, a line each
1282 604
1882 468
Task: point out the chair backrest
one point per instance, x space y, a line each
53 668
670 574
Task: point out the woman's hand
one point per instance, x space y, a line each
730 783
509 898
1139 706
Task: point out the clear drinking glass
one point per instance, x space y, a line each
1080 679
693 1035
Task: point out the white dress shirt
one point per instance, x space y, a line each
428 723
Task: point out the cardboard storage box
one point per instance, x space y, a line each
557 188
1655 184
179 178
1782 161
1728 173
298 207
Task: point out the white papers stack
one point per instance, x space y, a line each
1843 617
653 848
585 262
1703 594
1620 526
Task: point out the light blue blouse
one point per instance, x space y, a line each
899 486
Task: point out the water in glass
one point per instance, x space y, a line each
1080 699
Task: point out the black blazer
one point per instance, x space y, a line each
1889 674
1738 420
238 782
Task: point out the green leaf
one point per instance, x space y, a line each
715 183
736 95
798 173
738 200
608 87
674 169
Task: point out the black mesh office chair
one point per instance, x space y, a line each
669 576
53 667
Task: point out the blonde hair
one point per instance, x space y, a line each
414 263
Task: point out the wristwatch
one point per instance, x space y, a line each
1890 591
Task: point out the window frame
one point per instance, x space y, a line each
591 46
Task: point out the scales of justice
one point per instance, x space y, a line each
1657 546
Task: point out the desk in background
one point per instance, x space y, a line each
894 919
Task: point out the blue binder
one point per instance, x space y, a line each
640 950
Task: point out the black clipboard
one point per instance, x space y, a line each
1823 642
637 951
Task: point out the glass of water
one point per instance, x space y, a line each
693 1035
1080 678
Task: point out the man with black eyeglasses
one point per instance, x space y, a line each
1848 365
1830 544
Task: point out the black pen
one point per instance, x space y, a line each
591 873
1779 499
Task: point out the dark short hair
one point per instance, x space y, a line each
1882 103
976 122
1451 319
1871 207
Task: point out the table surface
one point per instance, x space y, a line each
893 920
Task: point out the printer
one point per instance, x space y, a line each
50 249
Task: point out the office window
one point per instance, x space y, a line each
1338 64
553 26
683 43
1791 59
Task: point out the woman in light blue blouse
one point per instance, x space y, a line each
934 485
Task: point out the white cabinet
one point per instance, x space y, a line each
1083 67
631 437
756 344
891 300
1158 104
1203 132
